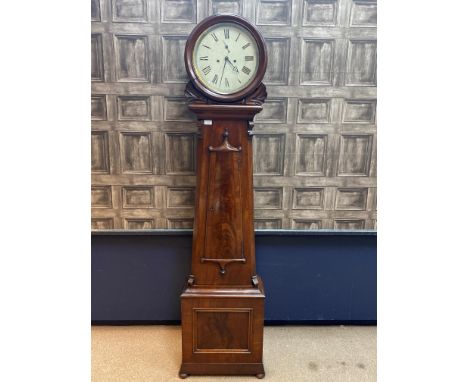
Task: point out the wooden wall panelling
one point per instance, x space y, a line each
315 142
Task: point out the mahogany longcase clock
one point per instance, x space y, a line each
223 301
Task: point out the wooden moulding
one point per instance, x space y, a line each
231 112
244 109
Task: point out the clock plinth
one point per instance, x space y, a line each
223 302
222 331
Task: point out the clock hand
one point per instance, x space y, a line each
222 73
234 68
225 45
229 62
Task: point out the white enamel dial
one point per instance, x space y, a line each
225 58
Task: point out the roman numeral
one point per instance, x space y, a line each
248 58
214 36
206 46
226 33
246 45
246 70
215 79
206 70
237 38
205 58
226 82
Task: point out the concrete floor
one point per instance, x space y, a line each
291 354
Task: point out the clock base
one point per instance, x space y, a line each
254 369
222 330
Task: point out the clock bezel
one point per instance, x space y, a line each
262 57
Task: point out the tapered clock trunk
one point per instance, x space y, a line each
223 302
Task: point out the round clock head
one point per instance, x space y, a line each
225 57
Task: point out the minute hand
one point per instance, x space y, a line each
222 73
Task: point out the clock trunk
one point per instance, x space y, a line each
223 302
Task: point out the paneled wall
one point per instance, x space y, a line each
314 143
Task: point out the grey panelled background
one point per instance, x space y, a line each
314 143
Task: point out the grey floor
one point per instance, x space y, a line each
291 354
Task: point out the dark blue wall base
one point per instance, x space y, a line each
310 278
266 322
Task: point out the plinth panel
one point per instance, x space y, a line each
222 330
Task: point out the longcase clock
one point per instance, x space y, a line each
223 301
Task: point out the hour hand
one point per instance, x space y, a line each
230 63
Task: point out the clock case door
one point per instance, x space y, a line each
223 242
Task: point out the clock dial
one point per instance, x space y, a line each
226 58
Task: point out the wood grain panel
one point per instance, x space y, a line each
95 10
306 224
217 7
267 223
173 70
180 197
99 152
364 14
102 223
101 197
136 152
349 224
217 330
317 130
319 12
268 198
268 154
278 61
274 111
98 108
176 223
138 223
359 111
134 108
351 199
179 11
362 63
308 198
131 58
314 111
184 161
310 154
355 153
129 10
224 187
137 197
271 12
97 59
175 109
317 62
